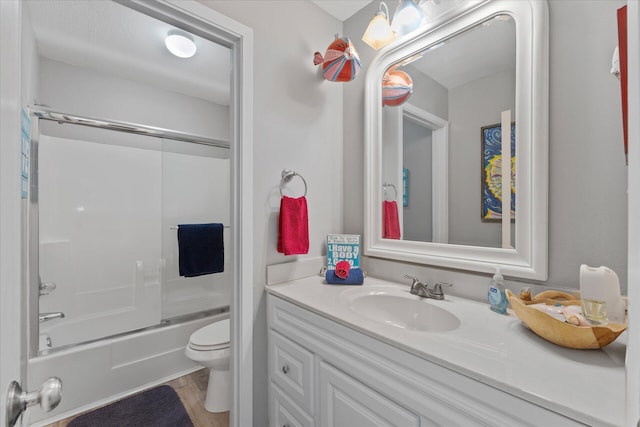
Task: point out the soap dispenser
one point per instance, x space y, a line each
497 294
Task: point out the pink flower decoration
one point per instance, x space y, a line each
342 269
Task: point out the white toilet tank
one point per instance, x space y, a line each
211 337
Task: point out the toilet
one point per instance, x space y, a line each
209 346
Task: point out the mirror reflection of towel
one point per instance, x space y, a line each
293 226
391 222
200 249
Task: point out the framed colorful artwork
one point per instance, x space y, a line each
491 173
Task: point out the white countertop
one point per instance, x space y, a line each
498 350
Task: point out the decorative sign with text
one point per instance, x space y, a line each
343 247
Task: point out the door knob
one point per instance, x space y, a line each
48 397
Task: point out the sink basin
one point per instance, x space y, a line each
397 307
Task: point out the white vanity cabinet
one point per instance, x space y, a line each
324 373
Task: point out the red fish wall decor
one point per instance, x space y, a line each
341 62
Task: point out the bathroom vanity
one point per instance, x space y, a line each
377 355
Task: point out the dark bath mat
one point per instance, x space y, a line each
158 407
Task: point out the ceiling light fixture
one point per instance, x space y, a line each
379 32
180 44
407 18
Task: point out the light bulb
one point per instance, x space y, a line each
180 44
407 18
379 32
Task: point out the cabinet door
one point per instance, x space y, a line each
345 402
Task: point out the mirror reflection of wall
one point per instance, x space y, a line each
466 80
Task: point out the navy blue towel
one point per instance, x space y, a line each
200 249
356 277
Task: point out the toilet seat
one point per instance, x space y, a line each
211 337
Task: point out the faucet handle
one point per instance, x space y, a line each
437 288
415 280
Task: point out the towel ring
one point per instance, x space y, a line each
386 185
287 175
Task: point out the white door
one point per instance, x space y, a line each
12 345
12 206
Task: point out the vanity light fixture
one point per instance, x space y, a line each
407 18
429 8
379 32
180 44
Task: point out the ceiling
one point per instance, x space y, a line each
480 51
112 39
342 9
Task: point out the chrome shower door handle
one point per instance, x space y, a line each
48 397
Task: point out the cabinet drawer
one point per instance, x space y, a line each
284 413
291 368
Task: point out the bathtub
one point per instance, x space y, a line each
105 370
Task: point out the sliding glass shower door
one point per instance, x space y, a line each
108 205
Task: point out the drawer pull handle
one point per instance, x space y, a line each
285 369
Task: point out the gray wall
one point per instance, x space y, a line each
472 106
428 94
298 124
587 172
417 159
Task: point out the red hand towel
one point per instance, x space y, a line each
391 223
293 226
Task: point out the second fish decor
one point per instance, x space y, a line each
397 87
341 62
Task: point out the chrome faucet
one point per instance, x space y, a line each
423 291
44 317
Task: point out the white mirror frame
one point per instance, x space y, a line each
529 258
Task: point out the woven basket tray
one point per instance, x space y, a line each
562 333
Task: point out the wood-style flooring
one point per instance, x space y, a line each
192 390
